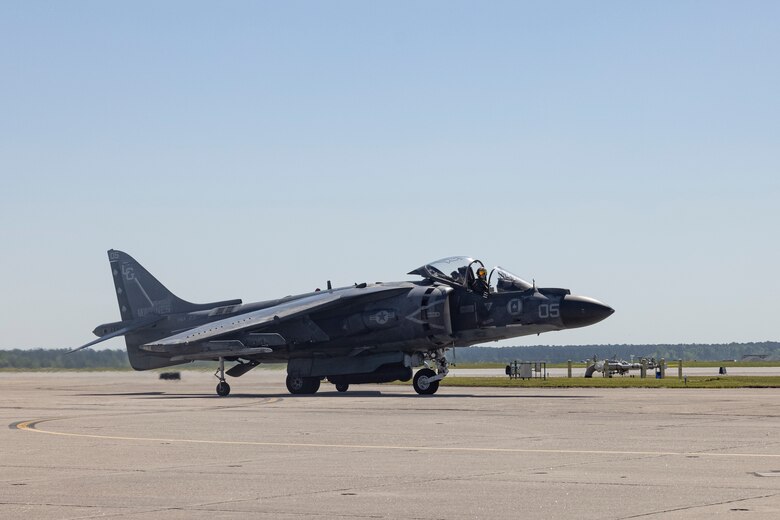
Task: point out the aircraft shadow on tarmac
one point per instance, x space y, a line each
320 395
119 394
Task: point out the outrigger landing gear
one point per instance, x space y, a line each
426 381
223 388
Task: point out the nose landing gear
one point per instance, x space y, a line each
426 381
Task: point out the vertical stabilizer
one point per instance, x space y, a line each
144 303
140 294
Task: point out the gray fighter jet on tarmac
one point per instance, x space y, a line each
364 333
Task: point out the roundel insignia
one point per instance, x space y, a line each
379 318
514 307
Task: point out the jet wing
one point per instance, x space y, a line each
284 311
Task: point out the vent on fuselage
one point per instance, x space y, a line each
219 311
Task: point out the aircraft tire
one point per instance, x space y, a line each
302 385
342 387
296 385
223 389
313 385
421 384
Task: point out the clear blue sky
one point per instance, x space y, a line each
629 151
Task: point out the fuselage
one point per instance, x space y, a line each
413 316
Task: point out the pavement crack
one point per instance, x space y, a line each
698 506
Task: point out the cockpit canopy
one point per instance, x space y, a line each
462 270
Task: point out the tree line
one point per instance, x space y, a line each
52 359
42 359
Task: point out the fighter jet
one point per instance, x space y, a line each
363 333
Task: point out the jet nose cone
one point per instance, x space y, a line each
581 311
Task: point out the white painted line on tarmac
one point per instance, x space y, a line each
32 426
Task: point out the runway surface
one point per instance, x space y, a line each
127 445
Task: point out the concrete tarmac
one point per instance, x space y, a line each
127 445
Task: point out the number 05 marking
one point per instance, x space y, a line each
549 310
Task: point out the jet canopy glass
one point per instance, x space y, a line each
462 270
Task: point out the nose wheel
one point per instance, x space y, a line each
426 381
423 382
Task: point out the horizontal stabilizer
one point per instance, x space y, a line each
110 330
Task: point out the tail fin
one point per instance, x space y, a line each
140 294
143 300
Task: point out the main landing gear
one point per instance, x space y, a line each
303 385
426 381
223 389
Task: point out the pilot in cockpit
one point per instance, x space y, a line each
480 283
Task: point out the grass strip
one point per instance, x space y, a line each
617 382
670 363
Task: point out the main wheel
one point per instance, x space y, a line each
342 387
223 389
422 383
312 385
302 385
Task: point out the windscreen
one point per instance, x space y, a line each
452 268
506 281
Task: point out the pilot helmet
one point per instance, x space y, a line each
481 272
